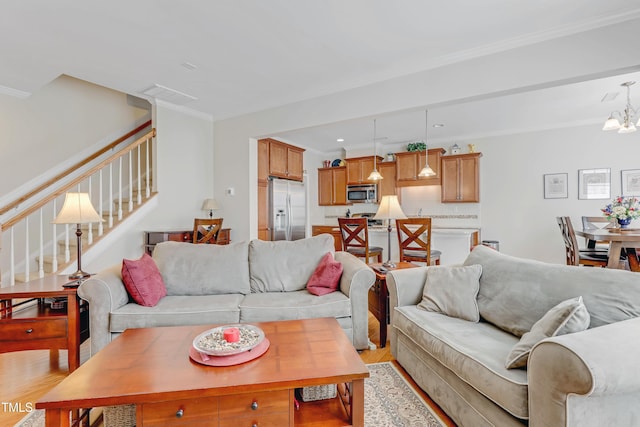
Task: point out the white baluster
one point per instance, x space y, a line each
147 172
139 179
130 180
110 198
41 257
90 227
54 246
26 249
120 189
12 261
100 227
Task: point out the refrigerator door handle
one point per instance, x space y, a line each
289 218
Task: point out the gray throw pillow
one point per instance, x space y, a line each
452 291
567 317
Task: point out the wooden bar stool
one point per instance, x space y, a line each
206 230
355 238
414 241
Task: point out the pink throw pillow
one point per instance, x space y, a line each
143 280
326 277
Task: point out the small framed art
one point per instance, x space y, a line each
556 186
630 182
594 183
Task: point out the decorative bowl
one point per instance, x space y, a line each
212 342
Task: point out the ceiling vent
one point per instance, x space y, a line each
169 95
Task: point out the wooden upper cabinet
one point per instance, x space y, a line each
387 186
359 168
332 186
263 214
285 161
461 178
409 164
263 160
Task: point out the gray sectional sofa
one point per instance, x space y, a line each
587 378
242 282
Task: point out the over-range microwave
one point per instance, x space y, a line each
366 193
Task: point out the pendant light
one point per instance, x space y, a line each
426 171
374 175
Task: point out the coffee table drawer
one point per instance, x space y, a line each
36 329
181 412
273 420
254 404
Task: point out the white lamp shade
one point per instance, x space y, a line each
210 204
374 175
389 209
627 128
426 171
77 209
611 124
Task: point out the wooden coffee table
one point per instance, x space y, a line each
151 368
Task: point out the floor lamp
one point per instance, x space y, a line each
77 209
389 209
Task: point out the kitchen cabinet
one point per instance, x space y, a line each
329 229
263 214
263 160
387 186
285 161
461 178
359 168
409 164
332 186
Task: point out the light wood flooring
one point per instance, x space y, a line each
25 376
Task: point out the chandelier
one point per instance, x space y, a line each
623 123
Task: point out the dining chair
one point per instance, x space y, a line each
633 258
414 241
574 255
355 238
206 230
596 223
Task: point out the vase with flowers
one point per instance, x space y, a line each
623 209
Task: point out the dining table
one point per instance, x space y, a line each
618 238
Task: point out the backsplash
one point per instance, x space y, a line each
416 201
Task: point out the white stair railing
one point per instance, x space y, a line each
34 223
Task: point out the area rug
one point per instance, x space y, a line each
389 401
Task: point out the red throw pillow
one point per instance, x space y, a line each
326 277
143 280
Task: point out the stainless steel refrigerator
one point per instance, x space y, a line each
287 209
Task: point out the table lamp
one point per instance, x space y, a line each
77 209
210 205
389 209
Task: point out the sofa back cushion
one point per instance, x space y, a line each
189 269
285 266
515 293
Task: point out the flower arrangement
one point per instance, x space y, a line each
622 208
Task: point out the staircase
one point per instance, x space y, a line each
118 179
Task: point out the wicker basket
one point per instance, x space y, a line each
119 416
318 392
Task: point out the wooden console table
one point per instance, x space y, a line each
152 238
379 297
35 326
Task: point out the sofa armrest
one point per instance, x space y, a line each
587 378
355 282
105 292
405 288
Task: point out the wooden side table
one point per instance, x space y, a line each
28 326
379 297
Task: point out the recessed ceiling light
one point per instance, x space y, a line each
438 125
340 139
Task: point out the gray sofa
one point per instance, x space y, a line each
241 282
587 378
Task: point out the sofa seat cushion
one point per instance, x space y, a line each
202 269
178 310
267 306
284 266
475 352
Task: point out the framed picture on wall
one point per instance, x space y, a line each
594 183
556 186
630 182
